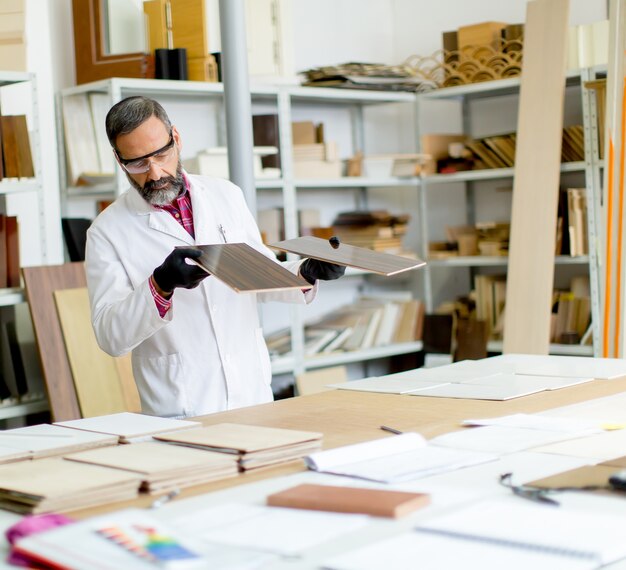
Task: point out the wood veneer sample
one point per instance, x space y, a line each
530 276
95 374
245 269
40 283
376 502
349 255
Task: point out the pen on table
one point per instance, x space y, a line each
165 499
535 496
392 430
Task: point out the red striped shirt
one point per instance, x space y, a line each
180 209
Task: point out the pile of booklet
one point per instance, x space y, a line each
45 440
254 446
162 467
129 427
54 485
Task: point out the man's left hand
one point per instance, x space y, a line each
314 269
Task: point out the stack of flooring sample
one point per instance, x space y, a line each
54 485
162 467
254 446
46 440
129 427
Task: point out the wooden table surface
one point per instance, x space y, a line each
346 417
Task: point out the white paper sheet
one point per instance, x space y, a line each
536 421
272 529
576 366
411 551
523 381
374 462
600 447
586 534
477 392
499 439
387 384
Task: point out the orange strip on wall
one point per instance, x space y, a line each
609 252
620 222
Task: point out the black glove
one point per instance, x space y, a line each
176 272
313 269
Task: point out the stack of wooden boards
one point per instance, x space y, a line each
368 322
17 160
93 461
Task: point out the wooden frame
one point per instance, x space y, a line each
92 64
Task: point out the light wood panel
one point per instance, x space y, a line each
40 282
349 255
537 170
244 269
95 373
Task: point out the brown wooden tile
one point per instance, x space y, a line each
349 255
40 284
245 269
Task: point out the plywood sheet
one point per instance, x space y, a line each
349 255
536 185
245 269
40 282
95 374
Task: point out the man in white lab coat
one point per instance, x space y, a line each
197 346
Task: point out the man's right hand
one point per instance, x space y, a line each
176 272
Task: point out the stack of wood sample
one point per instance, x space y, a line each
571 312
46 440
9 252
56 485
129 427
162 467
253 446
376 229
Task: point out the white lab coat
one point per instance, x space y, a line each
208 353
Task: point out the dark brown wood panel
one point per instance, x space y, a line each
245 269
350 255
40 284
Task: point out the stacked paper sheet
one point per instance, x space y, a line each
45 440
54 485
129 427
254 446
393 459
162 467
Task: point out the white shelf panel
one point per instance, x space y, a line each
17 185
286 365
491 174
348 96
492 261
357 182
17 410
269 184
12 296
560 349
11 77
485 89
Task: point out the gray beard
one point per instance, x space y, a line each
167 194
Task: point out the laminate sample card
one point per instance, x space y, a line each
349 255
245 269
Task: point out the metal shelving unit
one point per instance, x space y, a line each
284 99
469 183
9 297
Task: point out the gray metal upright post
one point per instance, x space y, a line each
234 60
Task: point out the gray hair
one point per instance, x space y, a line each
125 116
